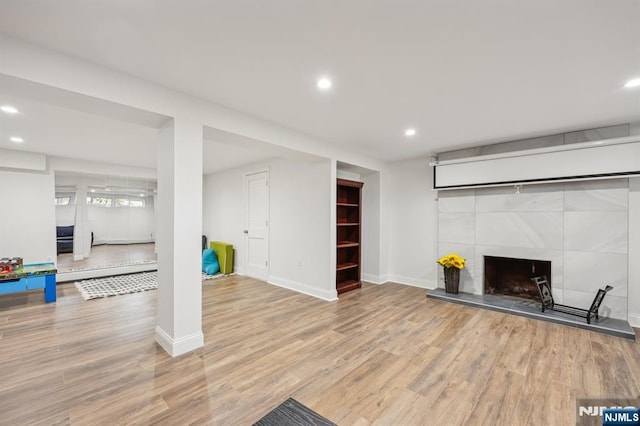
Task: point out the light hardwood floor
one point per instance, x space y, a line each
383 355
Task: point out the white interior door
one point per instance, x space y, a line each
256 190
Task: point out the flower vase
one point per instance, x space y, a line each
451 280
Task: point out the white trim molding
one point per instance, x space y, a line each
414 282
374 279
182 345
105 272
634 320
328 295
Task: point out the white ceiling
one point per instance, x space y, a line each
462 72
63 132
64 124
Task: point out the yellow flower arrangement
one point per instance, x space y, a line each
452 261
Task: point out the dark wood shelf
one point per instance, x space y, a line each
344 244
348 229
345 286
348 265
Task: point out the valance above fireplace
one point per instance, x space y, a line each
610 158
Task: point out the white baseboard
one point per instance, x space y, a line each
328 295
105 272
414 282
374 279
175 347
77 257
634 320
122 242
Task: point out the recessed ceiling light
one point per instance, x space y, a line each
107 189
16 139
93 190
632 83
9 109
142 195
410 132
324 83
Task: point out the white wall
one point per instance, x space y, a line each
123 225
27 216
412 220
222 217
371 224
115 225
112 225
300 209
98 223
300 221
385 224
65 215
343 174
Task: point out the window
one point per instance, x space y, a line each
105 200
63 201
64 198
99 201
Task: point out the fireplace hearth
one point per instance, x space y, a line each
512 277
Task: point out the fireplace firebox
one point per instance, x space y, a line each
512 277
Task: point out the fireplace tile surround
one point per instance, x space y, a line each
580 227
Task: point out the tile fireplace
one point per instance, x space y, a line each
578 230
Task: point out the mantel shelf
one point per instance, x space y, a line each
347 205
348 224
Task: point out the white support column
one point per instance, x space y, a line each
633 280
333 219
155 219
179 230
81 231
